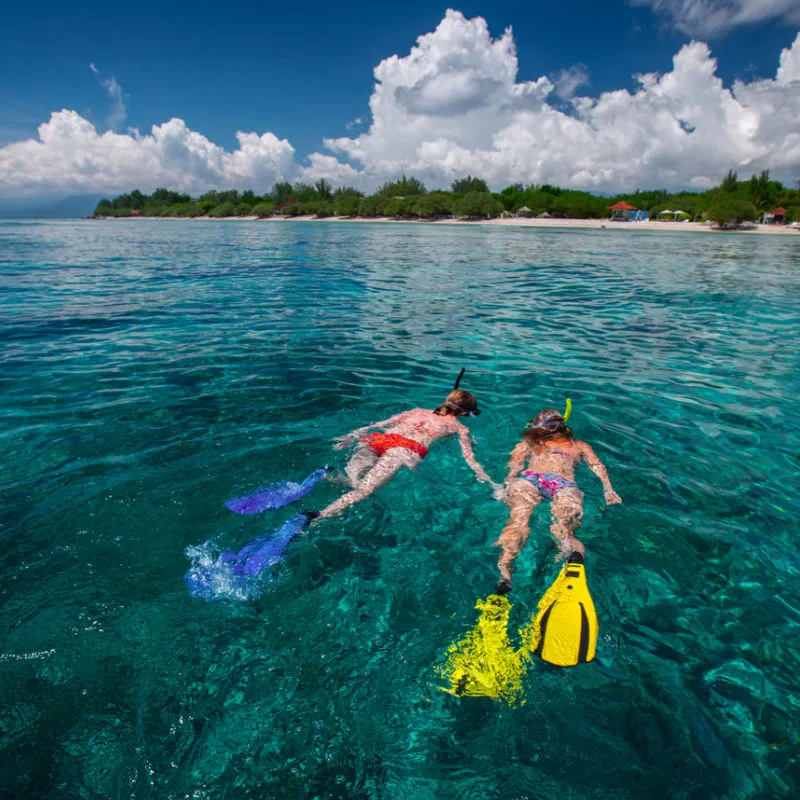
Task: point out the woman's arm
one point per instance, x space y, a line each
345 441
596 466
469 456
519 455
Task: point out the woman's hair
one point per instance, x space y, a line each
545 425
459 402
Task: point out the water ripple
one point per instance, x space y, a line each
150 370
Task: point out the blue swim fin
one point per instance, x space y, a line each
277 495
235 576
267 550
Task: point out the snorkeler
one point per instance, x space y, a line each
542 467
404 442
378 458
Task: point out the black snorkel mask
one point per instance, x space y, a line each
450 404
474 413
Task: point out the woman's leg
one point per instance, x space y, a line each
363 459
385 469
521 499
567 511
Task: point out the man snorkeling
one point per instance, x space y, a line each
542 467
404 442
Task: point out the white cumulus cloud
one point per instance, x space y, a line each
708 18
70 156
453 106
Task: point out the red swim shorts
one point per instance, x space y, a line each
379 443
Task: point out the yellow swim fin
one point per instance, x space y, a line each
564 629
483 664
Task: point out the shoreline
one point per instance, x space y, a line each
521 222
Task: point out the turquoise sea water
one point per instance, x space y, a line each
151 370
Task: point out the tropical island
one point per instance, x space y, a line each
728 205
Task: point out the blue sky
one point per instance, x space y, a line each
303 71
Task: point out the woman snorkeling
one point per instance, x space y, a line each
404 442
542 467
379 456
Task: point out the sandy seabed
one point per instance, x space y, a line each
504 222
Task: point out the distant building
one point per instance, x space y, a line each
135 212
776 216
524 212
620 212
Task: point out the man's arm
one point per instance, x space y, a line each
596 466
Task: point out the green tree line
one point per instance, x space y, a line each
730 203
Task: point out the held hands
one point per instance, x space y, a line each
498 491
612 498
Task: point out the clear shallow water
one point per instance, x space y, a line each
151 370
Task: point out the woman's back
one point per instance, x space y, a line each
558 456
424 426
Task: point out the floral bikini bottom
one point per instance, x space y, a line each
547 483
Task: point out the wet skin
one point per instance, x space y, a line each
558 455
366 471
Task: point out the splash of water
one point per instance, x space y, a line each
211 577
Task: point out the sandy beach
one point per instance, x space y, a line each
520 222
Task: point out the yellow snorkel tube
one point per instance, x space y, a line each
567 409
